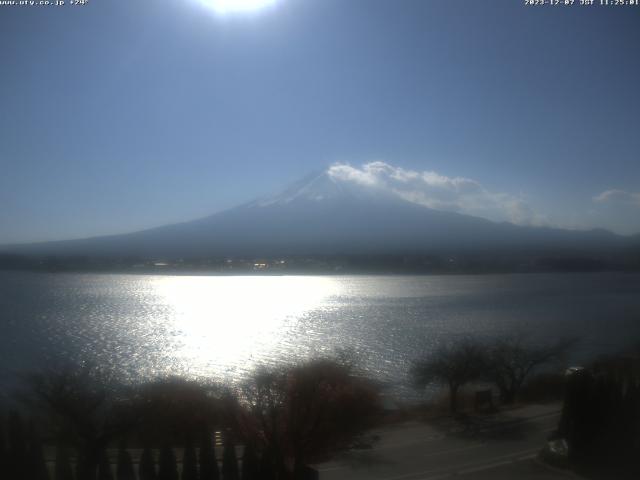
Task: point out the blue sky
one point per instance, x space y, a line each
123 115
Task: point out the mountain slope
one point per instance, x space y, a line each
321 215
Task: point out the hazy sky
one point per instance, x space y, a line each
122 115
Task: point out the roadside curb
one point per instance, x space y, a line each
505 423
562 471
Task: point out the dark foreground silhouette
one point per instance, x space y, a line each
601 418
83 425
272 427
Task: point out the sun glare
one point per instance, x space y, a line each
232 320
225 7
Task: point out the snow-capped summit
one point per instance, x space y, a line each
316 187
324 186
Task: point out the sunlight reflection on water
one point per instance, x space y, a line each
222 327
236 322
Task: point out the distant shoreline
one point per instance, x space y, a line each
305 273
339 264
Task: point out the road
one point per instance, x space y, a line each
491 447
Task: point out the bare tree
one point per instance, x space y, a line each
175 409
189 462
305 413
81 407
124 467
208 462
147 466
511 360
454 365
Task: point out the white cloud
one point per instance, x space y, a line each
617 210
618 197
433 190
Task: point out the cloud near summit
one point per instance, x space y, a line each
620 197
433 190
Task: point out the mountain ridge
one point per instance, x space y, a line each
322 215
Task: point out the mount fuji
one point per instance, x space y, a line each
325 215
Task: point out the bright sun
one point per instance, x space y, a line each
237 6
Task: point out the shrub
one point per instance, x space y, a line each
453 365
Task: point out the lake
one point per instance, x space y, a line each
223 327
